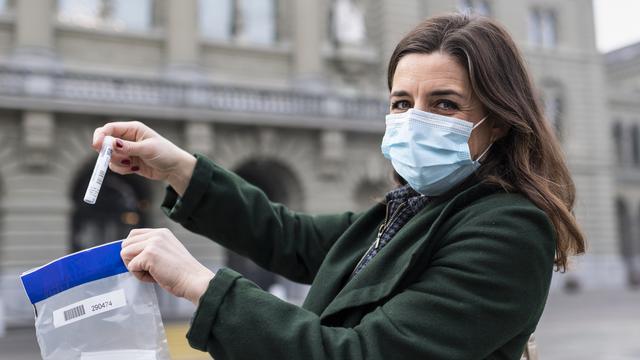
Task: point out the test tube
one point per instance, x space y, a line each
99 171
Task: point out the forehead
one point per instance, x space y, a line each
417 71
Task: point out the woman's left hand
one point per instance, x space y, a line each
156 255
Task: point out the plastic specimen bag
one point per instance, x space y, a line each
89 307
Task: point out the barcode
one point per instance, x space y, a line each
74 312
100 177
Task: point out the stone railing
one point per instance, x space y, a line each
112 90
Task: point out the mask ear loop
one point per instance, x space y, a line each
485 152
491 141
479 122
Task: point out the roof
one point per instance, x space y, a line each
624 54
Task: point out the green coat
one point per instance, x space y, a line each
466 278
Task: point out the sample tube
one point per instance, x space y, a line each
99 171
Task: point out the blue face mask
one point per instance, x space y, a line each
430 151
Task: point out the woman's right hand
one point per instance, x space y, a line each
140 150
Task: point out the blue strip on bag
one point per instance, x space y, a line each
73 270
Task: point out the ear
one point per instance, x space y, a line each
499 129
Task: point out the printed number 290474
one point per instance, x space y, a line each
102 305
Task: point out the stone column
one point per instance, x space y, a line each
34 32
182 51
309 26
38 131
199 137
333 149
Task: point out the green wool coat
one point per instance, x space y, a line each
466 278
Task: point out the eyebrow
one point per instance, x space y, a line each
440 92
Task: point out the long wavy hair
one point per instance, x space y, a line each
528 159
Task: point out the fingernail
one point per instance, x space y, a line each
119 144
135 168
125 162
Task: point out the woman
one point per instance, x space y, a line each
454 264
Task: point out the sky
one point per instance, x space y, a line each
617 23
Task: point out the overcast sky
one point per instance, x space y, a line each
617 23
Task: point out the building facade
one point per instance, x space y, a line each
288 93
623 76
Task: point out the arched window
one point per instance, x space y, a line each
280 185
122 205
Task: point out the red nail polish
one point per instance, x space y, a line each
126 162
135 168
119 144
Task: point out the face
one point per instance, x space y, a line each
438 84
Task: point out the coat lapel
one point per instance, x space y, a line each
341 259
381 276
388 268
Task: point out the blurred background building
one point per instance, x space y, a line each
291 94
623 75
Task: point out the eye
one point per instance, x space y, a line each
400 105
447 105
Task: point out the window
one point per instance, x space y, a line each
617 140
543 28
123 204
347 23
136 15
554 106
553 109
247 21
549 29
258 25
79 12
480 7
133 14
624 225
635 145
7 6
216 18
627 245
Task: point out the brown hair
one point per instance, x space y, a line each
528 159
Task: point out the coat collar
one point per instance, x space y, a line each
414 199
